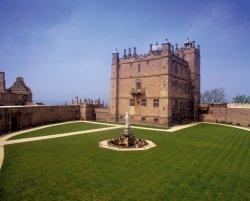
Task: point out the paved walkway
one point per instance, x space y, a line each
7 136
172 129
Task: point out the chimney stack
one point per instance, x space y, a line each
129 52
150 48
134 54
124 53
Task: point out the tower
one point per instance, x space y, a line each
114 99
191 54
2 82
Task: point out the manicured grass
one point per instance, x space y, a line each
203 162
65 128
138 125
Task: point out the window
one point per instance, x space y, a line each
138 85
143 102
143 119
176 84
176 69
139 68
176 103
155 120
156 102
132 102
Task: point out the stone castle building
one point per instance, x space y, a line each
160 87
17 94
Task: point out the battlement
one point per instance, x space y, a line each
157 51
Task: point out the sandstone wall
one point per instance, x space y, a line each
103 114
236 116
87 112
20 117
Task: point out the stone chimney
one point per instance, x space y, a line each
129 52
134 54
124 53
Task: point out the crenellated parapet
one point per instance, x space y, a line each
97 103
155 51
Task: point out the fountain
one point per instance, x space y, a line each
127 141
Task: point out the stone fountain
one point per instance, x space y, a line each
127 141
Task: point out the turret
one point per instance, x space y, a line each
192 55
115 57
115 85
166 47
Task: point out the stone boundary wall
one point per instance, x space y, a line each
87 112
20 117
235 116
238 105
103 114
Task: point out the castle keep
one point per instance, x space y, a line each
160 87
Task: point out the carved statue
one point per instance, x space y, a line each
127 119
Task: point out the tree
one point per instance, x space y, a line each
216 96
241 99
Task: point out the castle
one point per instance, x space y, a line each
17 94
160 87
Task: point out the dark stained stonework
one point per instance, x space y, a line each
17 94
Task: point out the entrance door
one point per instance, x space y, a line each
14 123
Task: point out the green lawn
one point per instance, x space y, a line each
138 125
65 128
203 162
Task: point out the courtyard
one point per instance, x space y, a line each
64 162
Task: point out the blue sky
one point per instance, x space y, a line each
63 48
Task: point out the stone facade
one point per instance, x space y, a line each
224 114
20 117
17 94
88 107
160 87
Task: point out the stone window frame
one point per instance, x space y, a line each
156 102
132 102
144 102
181 105
176 103
139 68
138 84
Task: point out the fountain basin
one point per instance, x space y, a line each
108 145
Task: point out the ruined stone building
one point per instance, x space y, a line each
160 87
17 94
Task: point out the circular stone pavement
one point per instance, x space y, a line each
104 144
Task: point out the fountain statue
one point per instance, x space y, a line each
127 138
